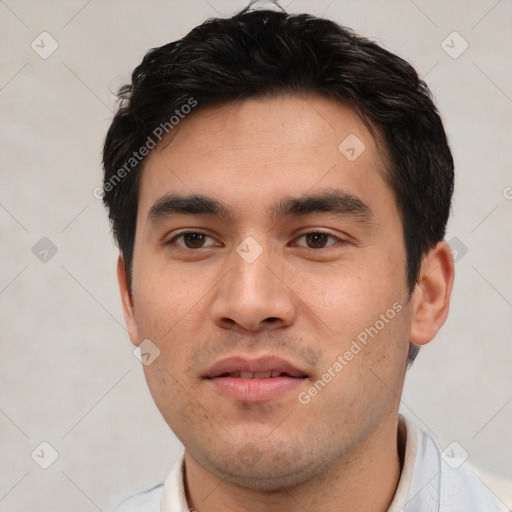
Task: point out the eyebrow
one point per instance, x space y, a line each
194 204
338 202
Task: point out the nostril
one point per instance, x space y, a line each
271 319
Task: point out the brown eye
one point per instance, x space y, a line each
192 240
317 240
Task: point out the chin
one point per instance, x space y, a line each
269 471
270 483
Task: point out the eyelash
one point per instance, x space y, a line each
181 235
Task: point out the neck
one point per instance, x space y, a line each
365 480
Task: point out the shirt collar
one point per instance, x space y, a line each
411 450
173 496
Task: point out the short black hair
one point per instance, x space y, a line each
260 52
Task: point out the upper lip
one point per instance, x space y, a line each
235 365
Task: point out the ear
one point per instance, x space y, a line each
431 296
127 301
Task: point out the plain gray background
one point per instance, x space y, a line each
69 376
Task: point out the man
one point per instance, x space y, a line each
279 190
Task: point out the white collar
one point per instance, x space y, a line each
411 451
173 495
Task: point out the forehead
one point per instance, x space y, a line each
258 149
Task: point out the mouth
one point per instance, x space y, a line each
257 375
254 380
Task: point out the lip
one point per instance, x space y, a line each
241 364
230 377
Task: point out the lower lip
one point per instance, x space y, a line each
255 390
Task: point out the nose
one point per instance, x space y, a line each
254 296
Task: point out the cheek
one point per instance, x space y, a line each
166 296
170 394
365 319
350 296
368 364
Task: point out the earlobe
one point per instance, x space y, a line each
127 301
431 297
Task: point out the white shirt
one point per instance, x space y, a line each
429 482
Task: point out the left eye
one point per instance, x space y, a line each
317 240
192 240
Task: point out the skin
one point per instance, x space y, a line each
305 304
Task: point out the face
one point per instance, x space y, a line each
269 270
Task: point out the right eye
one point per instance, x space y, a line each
191 240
